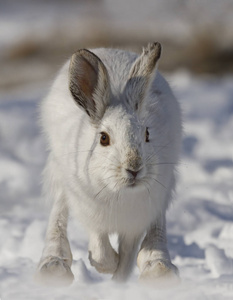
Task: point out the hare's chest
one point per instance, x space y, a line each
130 215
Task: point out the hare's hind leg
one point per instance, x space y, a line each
153 259
56 260
101 254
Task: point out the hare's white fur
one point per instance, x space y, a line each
92 182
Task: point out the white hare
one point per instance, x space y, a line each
114 132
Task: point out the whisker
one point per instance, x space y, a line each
88 151
145 184
153 174
162 163
101 191
158 182
111 215
74 152
117 159
112 176
118 196
154 154
149 195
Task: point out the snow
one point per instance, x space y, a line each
200 220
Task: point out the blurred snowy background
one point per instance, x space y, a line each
36 38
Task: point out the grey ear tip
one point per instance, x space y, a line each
84 53
158 45
154 47
87 55
79 52
77 55
158 48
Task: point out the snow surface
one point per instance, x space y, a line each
200 221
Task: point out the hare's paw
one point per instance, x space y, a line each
54 271
105 263
160 272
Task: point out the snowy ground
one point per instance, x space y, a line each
200 222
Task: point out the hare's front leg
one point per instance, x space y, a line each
56 260
153 259
128 248
101 254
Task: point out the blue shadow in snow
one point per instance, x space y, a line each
177 246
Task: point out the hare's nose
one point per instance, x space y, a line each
134 173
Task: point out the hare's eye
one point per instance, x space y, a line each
147 135
104 139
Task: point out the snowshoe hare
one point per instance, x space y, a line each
113 128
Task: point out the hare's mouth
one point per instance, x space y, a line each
132 182
133 177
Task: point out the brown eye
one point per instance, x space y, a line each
104 139
147 135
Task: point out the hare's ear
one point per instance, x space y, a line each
89 83
143 72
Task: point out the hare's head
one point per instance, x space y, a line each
122 153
